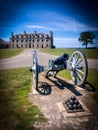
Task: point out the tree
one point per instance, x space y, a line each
86 38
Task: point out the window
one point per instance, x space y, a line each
37 45
32 45
12 40
21 40
42 40
16 40
33 40
37 40
17 45
46 40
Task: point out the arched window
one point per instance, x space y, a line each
33 46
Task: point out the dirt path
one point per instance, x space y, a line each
25 60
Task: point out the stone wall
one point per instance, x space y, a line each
32 40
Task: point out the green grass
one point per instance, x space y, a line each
91 79
90 53
16 111
6 53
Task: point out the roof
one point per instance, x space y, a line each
32 35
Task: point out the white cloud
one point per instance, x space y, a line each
72 25
57 21
40 27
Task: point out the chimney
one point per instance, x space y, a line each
35 32
51 34
24 32
12 34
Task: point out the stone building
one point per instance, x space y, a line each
32 40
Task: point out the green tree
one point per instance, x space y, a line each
86 38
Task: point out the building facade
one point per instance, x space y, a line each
32 40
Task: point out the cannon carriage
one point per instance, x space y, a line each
77 65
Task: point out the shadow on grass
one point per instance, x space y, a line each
61 84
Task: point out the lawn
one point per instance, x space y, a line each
90 53
16 111
6 53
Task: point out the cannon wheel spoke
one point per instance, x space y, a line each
78 67
35 66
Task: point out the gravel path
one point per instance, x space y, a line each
25 60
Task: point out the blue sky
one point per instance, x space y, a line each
66 18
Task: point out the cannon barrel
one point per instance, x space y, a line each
61 59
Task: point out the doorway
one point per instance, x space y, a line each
29 45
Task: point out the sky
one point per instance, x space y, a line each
66 18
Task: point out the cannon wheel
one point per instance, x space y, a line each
35 69
78 68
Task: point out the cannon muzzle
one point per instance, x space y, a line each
60 60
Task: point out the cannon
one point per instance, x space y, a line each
77 66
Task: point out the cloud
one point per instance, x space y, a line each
40 27
70 24
56 21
